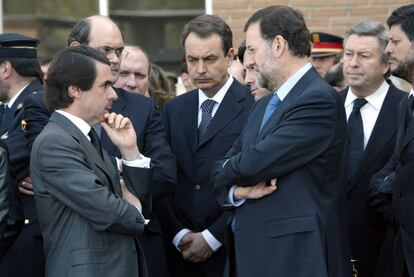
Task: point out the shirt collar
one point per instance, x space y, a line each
375 99
287 86
81 124
218 97
411 92
11 102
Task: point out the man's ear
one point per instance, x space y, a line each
5 69
74 44
279 45
74 92
230 56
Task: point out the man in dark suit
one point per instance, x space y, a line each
296 135
397 174
201 127
102 34
20 77
88 218
371 106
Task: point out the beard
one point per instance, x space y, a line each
405 70
264 81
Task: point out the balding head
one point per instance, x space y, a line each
101 33
134 76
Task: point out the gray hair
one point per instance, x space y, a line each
372 29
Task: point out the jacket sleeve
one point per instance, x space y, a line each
60 169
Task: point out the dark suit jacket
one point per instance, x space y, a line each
88 229
397 176
366 229
15 138
11 212
152 143
294 231
194 204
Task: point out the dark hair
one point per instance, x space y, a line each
80 32
403 16
335 77
71 66
159 87
206 25
25 67
240 51
286 22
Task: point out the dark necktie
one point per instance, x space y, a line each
95 141
206 117
6 117
410 110
271 107
355 137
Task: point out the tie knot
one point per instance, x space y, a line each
359 102
207 105
93 136
275 100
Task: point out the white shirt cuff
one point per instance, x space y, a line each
211 240
178 237
235 203
142 162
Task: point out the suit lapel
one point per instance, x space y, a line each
104 165
189 116
298 89
226 112
384 130
409 135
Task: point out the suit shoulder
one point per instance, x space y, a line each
396 91
179 100
134 97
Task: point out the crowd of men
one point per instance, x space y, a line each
262 168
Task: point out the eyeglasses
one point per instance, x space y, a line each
107 50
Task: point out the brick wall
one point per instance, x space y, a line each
332 16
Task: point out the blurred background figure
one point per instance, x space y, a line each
326 51
135 69
335 77
236 68
184 82
251 75
44 64
159 86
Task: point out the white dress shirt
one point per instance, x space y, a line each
218 97
370 111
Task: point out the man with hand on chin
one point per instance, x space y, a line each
88 220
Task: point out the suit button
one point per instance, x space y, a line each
197 187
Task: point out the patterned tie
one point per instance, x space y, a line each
206 109
355 137
271 107
6 117
95 141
